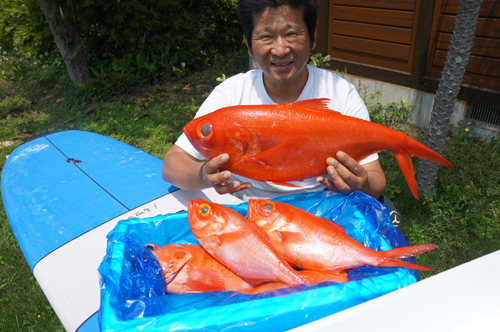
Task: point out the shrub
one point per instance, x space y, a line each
23 27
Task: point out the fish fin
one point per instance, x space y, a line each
417 149
339 277
268 287
277 153
290 237
406 166
405 264
205 280
314 277
317 104
390 258
285 184
228 238
405 252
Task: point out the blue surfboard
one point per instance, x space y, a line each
63 192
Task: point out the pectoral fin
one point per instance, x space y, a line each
286 237
225 239
205 280
277 153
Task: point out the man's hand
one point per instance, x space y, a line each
221 181
346 174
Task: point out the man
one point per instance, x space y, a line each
280 35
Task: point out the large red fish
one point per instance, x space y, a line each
280 143
238 244
314 243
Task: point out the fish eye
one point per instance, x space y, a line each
204 130
150 246
268 207
204 210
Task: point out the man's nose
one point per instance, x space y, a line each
280 47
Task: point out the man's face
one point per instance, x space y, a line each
281 44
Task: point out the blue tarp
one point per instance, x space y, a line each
132 288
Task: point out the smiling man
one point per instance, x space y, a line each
280 36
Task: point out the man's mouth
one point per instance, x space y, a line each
282 65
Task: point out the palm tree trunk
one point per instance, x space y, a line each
69 45
449 86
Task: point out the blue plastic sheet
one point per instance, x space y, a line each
132 288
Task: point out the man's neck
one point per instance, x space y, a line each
288 92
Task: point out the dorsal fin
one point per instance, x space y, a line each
316 104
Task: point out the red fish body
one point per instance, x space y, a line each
314 243
238 244
190 269
288 142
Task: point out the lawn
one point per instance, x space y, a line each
462 217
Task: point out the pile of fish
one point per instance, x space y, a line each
290 142
278 246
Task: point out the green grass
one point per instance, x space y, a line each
462 217
150 118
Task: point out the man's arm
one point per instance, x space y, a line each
186 172
347 175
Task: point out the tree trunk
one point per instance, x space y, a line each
449 86
76 63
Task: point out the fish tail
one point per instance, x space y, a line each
405 264
410 147
417 149
391 258
406 166
405 252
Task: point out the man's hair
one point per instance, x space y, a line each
247 9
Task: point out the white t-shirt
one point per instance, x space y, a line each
248 89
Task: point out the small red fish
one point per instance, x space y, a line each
314 243
238 244
190 269
280 143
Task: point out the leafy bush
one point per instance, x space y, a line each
320 61
129 43
23 27
195 31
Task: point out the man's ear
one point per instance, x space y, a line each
315 38
248 48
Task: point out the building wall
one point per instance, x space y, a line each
422 101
